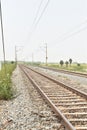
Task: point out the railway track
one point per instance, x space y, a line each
69 104
66 71
78 82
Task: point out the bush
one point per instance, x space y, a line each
12 62
6 91
78 64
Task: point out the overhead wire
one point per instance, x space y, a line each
73 28
73 32
37 12
41 14
37 19
65 35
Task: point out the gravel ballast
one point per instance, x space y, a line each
80 84
27 110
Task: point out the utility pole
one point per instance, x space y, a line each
16 51
46 54
2 36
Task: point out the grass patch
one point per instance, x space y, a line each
73 67
6 91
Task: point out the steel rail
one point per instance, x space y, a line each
65 122
78 92
66 71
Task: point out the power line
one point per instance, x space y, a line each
41 14
74 33
37 12
37 20
66 33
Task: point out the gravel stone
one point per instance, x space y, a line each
74 81
27 110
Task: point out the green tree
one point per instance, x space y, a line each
66 63
12 62
61 62
70 61
78 64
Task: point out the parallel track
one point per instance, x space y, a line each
66 71
66 102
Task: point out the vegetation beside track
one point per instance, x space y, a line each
6 91
77 67
73 67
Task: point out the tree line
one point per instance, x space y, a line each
67 62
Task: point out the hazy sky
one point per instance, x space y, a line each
63 27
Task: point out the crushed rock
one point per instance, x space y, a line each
27 110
